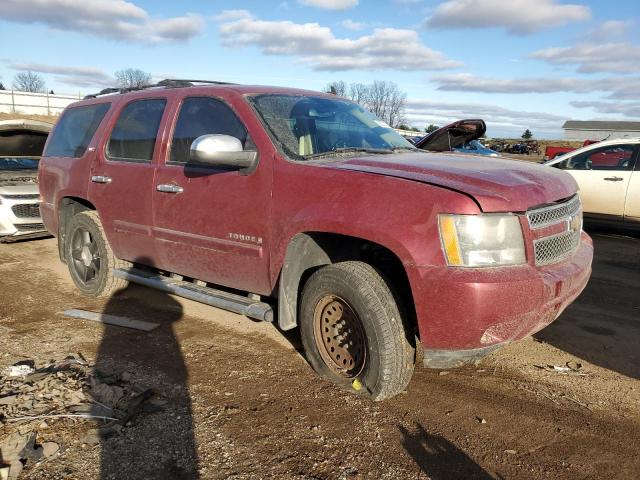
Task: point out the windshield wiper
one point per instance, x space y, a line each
338 151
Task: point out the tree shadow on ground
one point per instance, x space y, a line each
158 442
602 326
438 457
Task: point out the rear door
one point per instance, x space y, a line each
603 175
212 223
122 178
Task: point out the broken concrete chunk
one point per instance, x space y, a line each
49 449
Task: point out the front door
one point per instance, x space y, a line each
603 175
210 223
122 179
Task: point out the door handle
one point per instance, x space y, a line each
169 188
614 179
100 179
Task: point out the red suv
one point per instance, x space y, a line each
320 212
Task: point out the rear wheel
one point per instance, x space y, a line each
89 257
353 333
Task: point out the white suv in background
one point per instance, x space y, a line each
21 144
608 174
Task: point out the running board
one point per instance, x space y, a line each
210 296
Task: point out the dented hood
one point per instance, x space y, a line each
497 185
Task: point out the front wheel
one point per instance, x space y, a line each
89 257
353 333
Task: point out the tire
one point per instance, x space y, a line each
89 257
350 305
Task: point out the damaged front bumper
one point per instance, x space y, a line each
465 314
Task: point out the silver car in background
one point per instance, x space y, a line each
21 145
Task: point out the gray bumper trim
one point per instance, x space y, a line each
441 359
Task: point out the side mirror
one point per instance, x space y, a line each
221 151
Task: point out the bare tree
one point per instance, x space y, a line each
337 88
359 93
386 101
28 82
132 78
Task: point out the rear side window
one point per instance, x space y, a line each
75 129
134 134
203 116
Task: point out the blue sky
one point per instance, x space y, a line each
517 64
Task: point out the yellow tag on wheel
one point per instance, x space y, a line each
357 385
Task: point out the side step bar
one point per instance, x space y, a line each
210 296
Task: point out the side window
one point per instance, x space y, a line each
134 134
75 129
613 157
204 116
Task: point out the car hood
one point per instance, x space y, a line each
497 185
453 136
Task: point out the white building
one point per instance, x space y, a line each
594 130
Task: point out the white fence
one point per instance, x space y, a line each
34 103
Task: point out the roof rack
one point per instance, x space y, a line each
166 83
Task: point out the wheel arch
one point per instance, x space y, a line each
308 251
67 208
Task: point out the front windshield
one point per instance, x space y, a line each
307 127
18 163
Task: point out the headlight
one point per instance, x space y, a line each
482 240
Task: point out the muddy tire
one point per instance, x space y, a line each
353 333
89 257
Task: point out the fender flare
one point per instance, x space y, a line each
304 252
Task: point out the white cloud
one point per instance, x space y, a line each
516 16
117 19
505 120
78 76
330 4
610 29
351 25
619 87
317 46
627 109
594 58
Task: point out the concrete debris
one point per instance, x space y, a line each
19 370
570 368
69 388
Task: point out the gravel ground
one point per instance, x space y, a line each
239 401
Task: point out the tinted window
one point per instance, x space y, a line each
75 129
134 134
203 116
613 157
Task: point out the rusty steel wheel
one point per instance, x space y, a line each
352 330
340 336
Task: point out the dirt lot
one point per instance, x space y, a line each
241 402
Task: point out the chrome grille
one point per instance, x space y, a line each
26 210
560 246
552 214
556 248
25 196
30 227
